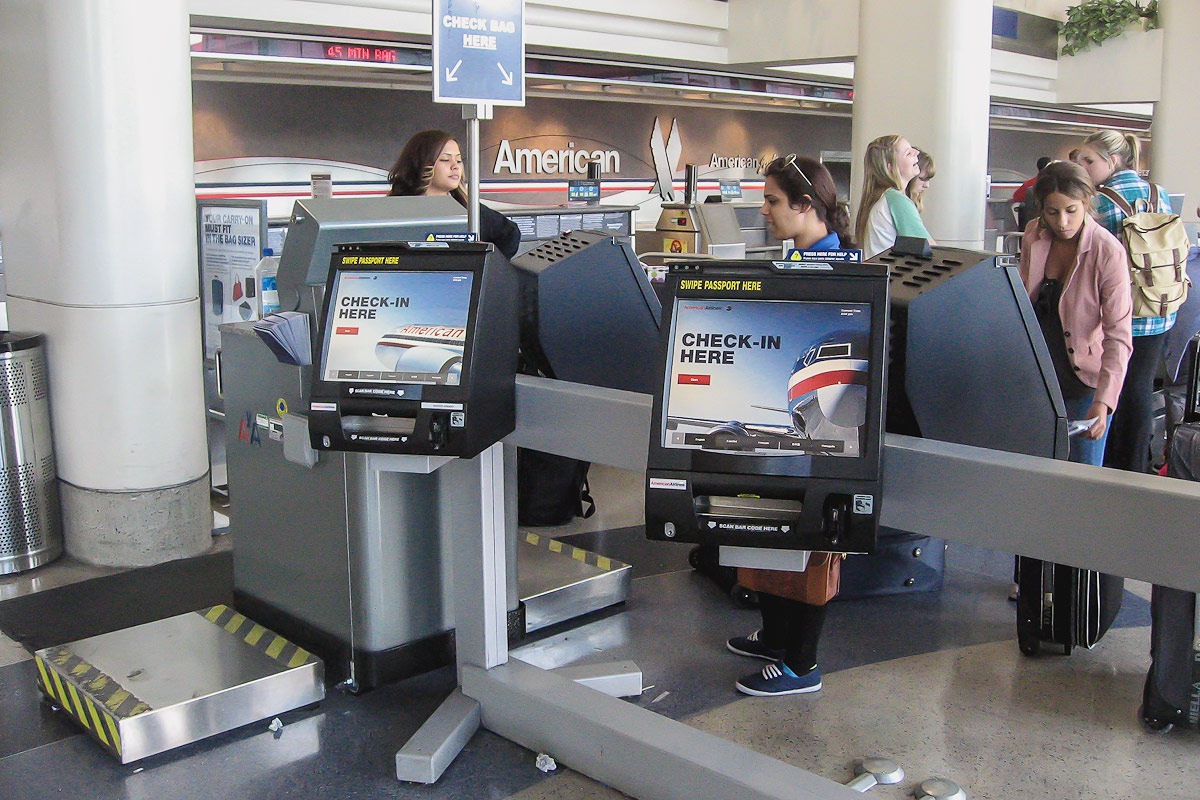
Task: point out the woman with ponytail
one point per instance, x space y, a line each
799 203
1111 161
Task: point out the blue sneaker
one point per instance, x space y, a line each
777 679
754 647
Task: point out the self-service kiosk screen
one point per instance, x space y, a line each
768 377
397 327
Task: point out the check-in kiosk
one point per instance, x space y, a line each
418 350
767 423
343 551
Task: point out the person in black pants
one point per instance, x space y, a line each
431 164
799 203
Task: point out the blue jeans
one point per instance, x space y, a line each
1082 449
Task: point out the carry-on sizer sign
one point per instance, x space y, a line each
479 52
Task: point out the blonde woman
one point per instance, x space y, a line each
1111 160
885 212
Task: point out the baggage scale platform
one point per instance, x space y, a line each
150 688
154 687
558 582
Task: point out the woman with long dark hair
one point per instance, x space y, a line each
431 164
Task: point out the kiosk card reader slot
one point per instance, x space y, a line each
768 418
418 350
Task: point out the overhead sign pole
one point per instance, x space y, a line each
479 62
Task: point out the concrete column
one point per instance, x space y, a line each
98 213
924 71
1173 158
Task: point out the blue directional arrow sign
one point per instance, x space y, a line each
479 52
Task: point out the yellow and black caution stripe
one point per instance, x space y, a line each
258 637
95 700
579 554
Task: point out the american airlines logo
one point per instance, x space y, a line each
548 161
665 153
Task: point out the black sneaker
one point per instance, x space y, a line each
754 647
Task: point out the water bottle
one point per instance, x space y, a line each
264 279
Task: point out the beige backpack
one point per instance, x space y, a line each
1157 246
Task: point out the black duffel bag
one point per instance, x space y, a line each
551 490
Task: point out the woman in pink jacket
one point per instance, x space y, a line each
1076 275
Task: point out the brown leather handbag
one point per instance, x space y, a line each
816 585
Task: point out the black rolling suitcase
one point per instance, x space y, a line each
1172 693
903 563
1064 605
705 559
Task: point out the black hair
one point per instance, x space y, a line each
814 187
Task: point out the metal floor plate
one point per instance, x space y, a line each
559 582
154 687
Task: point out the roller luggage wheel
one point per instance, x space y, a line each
1153 724
746 598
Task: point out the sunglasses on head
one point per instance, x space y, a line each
782 163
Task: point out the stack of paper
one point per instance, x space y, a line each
286 333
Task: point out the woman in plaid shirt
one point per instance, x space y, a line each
1111 160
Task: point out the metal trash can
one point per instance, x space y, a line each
30 518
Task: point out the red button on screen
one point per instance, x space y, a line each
693 380
347 331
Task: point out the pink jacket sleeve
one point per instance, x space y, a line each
1116 315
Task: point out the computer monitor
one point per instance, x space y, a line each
767 425
391 327
799 389
418 350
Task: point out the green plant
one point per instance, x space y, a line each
1093 22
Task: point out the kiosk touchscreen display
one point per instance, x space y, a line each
397 327
768 377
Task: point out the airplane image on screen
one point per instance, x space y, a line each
827 399
431 349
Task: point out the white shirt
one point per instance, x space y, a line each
881 229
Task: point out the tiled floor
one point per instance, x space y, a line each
934 681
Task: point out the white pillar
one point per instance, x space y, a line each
1173 158
98 213
924 71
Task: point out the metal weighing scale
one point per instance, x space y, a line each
154 687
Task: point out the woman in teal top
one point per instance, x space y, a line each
799 203
885 212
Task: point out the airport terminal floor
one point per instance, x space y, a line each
934 681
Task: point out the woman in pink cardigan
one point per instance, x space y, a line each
1076 274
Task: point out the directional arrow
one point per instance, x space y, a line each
508 76
450 72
